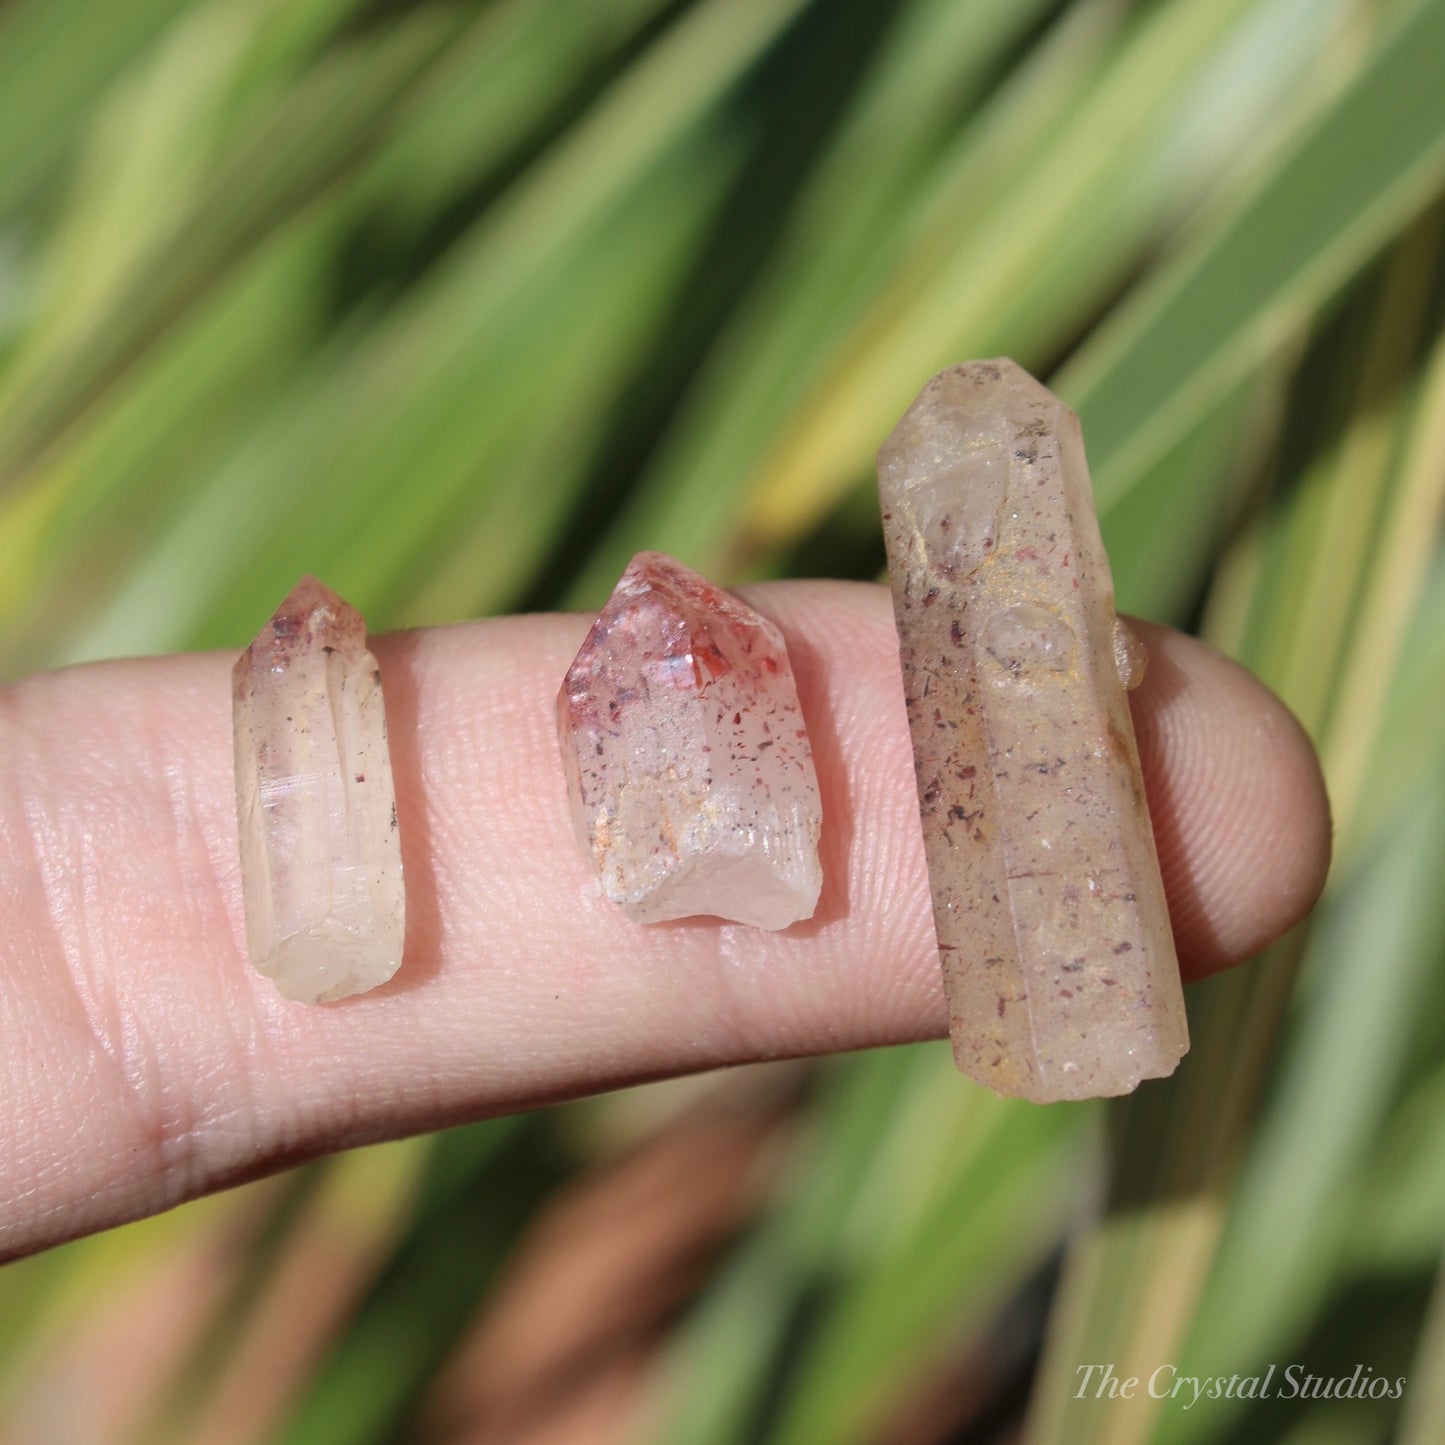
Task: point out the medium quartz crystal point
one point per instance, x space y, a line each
1058 959
320 852
688 765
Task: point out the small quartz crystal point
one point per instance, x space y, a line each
688 765
320 852
1058 959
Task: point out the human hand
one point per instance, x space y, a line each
143 1062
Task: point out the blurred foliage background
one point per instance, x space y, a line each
458 304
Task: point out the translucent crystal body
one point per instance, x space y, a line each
688 765
1058 959
320 852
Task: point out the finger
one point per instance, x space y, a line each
1241 819
144 1062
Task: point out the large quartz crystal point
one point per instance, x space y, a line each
687 761
1058 960
320 853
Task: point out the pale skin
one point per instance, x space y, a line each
144 1063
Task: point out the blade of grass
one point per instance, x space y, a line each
1132 1279
1409 735
906 1178
479 1186
329 1256
1424 1421
499 83
446 547
70 545
843 231
1017 267
160 435
1163 539
1392 596
987 1223
342 106
142 158
715 1381
1135 1281
55 55
48 1302
1400 1217
1371 973
1372 161
413 379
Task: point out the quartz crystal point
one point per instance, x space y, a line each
688 765
320 853
1058 959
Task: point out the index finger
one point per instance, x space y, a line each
144 1062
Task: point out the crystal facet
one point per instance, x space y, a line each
320 851
688 764
1058 959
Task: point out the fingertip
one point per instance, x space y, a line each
1238 800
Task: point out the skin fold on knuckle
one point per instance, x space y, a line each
104 1111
